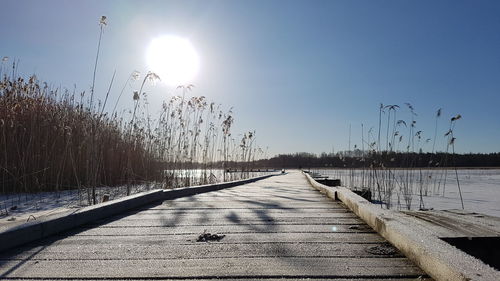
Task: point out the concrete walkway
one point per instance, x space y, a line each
275 228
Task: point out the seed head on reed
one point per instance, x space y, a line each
457 117
153 77
103 21
186 87
135 75
409 106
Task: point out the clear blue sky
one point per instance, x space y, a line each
298 72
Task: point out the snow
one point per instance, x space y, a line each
21 207
480 188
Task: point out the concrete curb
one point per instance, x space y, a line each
439 259
193 190
51 225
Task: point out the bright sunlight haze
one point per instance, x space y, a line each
174 59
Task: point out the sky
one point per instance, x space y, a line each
299 73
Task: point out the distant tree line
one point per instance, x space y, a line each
387 159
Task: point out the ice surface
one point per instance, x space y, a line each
480 188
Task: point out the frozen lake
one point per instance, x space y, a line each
402 187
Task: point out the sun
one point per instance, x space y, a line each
174 59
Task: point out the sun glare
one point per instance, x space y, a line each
174 59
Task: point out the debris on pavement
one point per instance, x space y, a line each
207 237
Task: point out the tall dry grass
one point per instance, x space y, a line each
46 140
53 139
405 178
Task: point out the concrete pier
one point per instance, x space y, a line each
275 228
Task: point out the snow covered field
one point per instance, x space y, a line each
480 188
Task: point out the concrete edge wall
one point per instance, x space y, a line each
38 229
437 258
193 190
